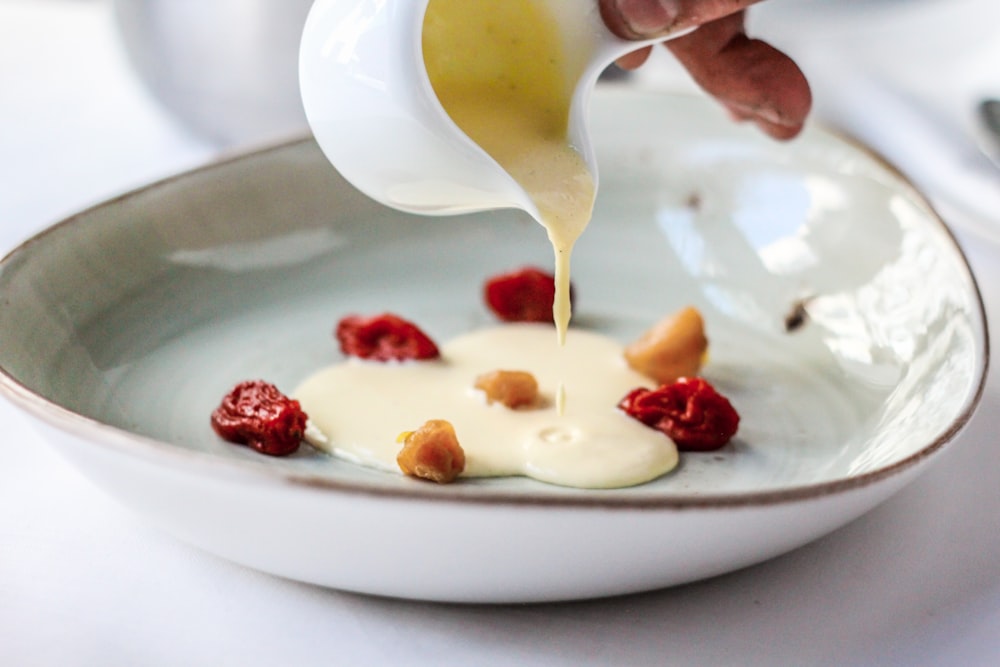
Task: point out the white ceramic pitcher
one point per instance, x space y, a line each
371 107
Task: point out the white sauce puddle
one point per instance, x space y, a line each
362 406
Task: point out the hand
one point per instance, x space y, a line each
751 78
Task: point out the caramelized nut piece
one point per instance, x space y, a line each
515 389
432 452
673 348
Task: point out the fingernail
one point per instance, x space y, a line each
763 112
648 18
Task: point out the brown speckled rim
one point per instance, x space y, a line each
207 465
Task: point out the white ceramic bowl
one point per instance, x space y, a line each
123 326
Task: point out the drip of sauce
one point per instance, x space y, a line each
360 407
499 69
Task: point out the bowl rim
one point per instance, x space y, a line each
158 452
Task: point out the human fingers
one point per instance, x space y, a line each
751 78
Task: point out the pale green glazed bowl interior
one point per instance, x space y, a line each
140 313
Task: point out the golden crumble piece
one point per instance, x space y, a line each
673 348
515 389
432 452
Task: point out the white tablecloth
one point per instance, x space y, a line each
84 581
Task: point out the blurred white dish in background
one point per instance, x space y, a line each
228 69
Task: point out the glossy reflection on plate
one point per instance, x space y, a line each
845 326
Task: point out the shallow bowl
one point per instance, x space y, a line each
845 324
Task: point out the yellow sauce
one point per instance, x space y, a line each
500 71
